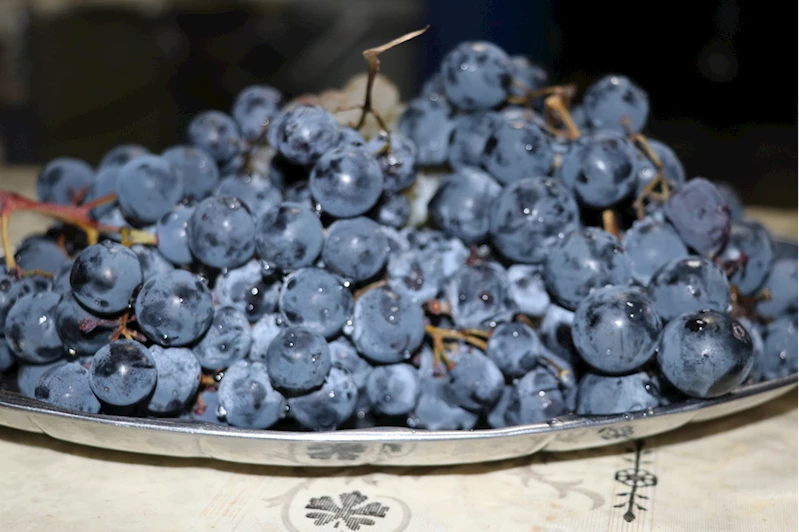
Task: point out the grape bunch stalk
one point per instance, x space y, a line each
497 251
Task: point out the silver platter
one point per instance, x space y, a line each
379 446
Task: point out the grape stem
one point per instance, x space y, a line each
361 291
438 334
746 306
658 189
610 222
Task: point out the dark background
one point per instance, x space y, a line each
721 75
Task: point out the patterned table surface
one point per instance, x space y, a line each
737 473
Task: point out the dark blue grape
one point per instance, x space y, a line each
355 248
123 373
427 123
7 358
396 155
13 287
689 284
478 296
221 232
67 386
227 340
433 89
351 137
151 260
705 354
514 347
28 376
148 188
673 169
700 215
178 377
780 357
60 283
264 331
64 181
476 382
246 290
614 100
254 191
749 248
40 254
393 389
104 277
517 149
346 181
387 326
171 230
437 408
477 75
583 260
343 354
306 132
649 244
526 76
420 273
732 200
534 398
469 136
328 407
81 332
31 328
782 285
317 300
289 237
216 133
195 169
527 288
461 207
174 309
247 399
298 360
604 395
119 155
392 211
616 329
254 108
300 193
529 216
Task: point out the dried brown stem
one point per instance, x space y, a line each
610 222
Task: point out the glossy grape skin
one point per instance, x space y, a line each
583 260
228 340
12 288
328 407
31 329
649 244
119 155
123 373
151 260
477 75
315 299
699 215
174 309
526 76
478 296
689 284
393 389
779 357
469 136
40 254
604 395
266 329
396 155
254 191
437 408
732 200
461 207
528 217
246 290
247 398
171 231
387 326
253 110
104 277
527 288
64 181
355 248
289 237
79 330
147 189
178 377
751 242
346 181
611 99
428 124
534 398
514 347
221 232
306 132
602 169
673 170
705 354
616 329
517 149
782 284
216 133
392 211
67 386
298 360
475 381
195 169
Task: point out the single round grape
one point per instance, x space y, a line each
254 191
461 207
396 155
67 386
28 376
31 328
216 134
392 211
528 217
40 254
148 188
104 277
227 340
12 288
601 395
705 354
264 331
782 285
355 248
289 237
393 389
123 373
119 155
171 230
174 309
583 260
780 357
253 110
346 181
699 215
689 284
437 408
246 290
221 232
82 333
615 102
673 169
298 360
328 407
649 244
478 296
178 377
477 75
749 247
305 133
64 181
527 288
469 136
526 76
514 347
196 170
152 261
517 149
428 124
475 381
317 300
247 398
616 329
387 326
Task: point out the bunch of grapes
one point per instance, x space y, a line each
270 274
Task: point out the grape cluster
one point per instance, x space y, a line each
566 266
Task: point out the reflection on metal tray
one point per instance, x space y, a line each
381 446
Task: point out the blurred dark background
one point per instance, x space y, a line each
77 77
